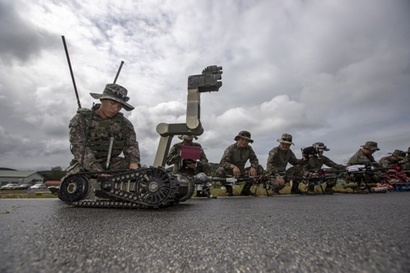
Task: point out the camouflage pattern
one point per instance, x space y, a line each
286 138
278 160
388 162
92 150
371 145
392 160
245 135
360 158
116 93
235 155
174 158
316 163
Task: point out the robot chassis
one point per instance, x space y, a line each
147 187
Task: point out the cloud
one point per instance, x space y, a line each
322 71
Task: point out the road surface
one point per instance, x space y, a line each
339 233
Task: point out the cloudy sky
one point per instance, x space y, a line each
332 71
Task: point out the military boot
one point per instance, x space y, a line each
246 190
295 188
329 189
311 190
229 190
275 191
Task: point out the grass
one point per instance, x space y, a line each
216 191
23 194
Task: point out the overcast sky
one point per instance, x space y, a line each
333 71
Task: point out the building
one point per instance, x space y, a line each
20 177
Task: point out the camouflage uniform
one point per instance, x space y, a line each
405 163
234 155
315 164
392 160
238 156
277 162
361 158
90 136
92 151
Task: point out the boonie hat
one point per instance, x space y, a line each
399 154
286 138
245 135
116 93
371 145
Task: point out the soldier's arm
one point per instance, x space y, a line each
131 147
294 161
270 164
202 156
226 159
330 163
253 159
173 155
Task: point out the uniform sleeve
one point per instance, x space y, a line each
358 158
81 152
293 160
270 164
253 159
173 155
330 163
226 160
131 148
203 157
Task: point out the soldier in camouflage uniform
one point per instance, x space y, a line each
92 129
234 159
315 162
405 163
174 157
278 159
365 155
393 159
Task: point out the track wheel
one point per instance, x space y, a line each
74 188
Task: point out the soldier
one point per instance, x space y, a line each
405 163
278 159
234 159
365 154
91 132
174 156
393 159
315 162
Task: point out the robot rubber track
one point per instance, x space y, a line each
142 188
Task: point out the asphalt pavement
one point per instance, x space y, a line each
338 233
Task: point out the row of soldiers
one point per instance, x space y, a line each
238 154
91 128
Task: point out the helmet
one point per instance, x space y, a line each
311 150
320 146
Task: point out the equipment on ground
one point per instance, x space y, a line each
146 187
